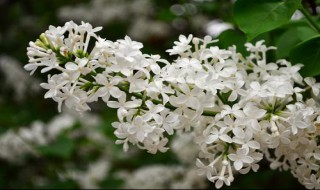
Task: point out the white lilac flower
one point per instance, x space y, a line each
252 114
222 178
153 112
187 97
181 46
136 83
170 121
54 85
107 89
237 108
123 105
140 128
207 170
155 146
218 134
314 86
241 157
78 67
245 138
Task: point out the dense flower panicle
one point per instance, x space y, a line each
237 108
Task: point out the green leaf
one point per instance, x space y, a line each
291 38
259 16
165 15
60 185
285 42
307 53
232 37
305 33
62 147
112 183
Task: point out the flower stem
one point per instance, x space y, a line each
310 19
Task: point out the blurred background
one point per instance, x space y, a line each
41 148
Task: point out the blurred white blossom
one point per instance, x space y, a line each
17 79
216 27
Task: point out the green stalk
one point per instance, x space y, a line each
313 23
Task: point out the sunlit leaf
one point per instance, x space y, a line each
259 16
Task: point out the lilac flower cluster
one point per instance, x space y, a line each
239 108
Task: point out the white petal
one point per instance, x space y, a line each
255 85
133 104
316 156
247 159
180 99
285 140
113 104
253 112
233 157
49 94
126 72
172 118
243 151
115 92
259 113
169 129
254 144
255 125
255 167
225 138
238 132
233 96
71 66
102 92
155 68
315 90
219 184
125 147
132 129
46 69
82 62
101 79
238 165
193 103
146 117
30 66
199 163
238 114
140 135
184 88
158 108
245 170
158 119
211 138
